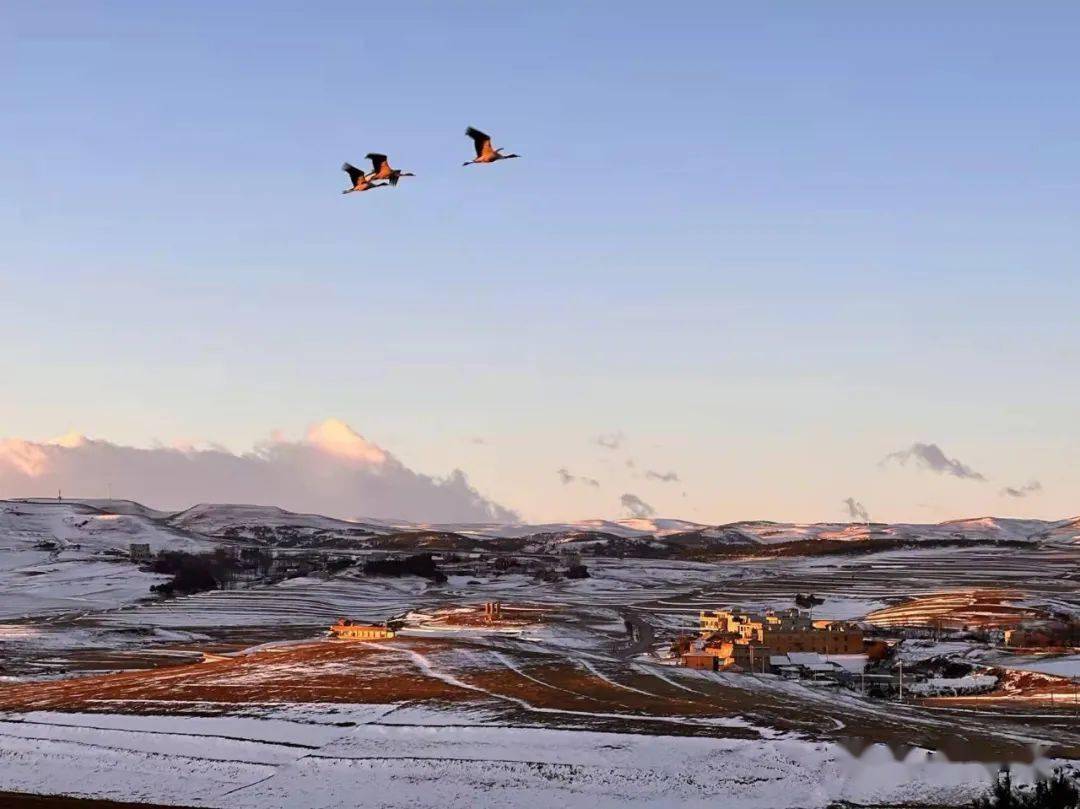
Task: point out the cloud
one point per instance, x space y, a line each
856 510
338 438
930 456
567 478
636 506
333 470
1023 491
611 440
666 477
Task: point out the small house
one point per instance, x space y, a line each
139 552
345 629
700 660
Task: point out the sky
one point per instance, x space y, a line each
778 255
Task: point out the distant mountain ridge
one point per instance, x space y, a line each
271 526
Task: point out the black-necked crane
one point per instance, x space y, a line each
360 181
382 170
485 153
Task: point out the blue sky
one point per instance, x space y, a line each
770 244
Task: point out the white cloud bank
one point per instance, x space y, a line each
333 470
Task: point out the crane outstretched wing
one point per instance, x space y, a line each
377 160
479 139
354 173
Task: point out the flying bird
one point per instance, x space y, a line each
484 151
382 170
360 181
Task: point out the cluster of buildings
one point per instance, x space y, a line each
743 641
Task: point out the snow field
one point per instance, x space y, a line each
451 759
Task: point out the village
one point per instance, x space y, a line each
947 645
897 663
924 658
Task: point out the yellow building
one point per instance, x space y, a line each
782 632
732 652
347 630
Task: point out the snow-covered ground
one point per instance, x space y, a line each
25 525
992 528
1060 666
317 600
253 521
71 583
628 529
918 650
215 519
946 686
69 557
322 757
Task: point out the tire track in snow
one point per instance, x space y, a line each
596 672
171 733
154 754
426 666
510 665
667 680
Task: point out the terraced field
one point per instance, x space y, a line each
524 682
1047 577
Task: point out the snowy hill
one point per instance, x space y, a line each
1062 530
213 519
276 527
70 556
627 529
73 555
1003 527
128 507
994 529
28 523
115 523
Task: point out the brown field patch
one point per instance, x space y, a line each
958 609
321 671
406 669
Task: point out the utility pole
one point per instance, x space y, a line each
901 679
